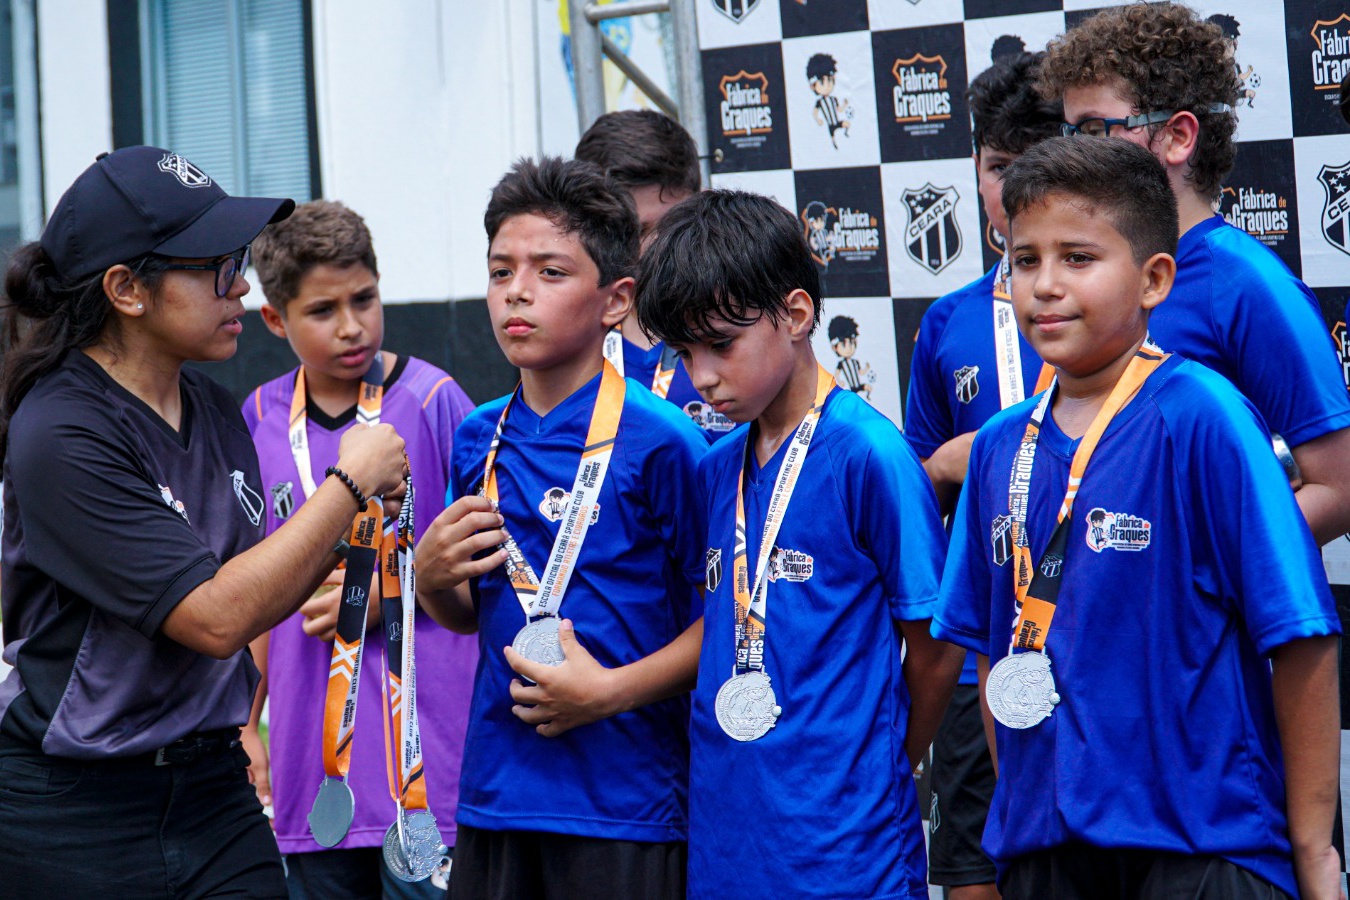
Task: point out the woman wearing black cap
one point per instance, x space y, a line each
133 574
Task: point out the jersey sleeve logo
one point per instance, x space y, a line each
712 565
967 387
1001 538
248 498
283 499
1117 531
175 505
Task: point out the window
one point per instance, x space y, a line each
227 84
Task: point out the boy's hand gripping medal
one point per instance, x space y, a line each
1020 687
746 706
331 815
541 598
412 845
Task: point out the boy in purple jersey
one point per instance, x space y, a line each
323 296
1162 639
962 374
575 763
656 160
1159 76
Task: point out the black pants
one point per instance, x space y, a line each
134 830
1095 873
533 865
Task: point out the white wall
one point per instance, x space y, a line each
422 105
76 98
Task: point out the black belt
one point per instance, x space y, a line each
197 745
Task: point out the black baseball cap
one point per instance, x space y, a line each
140 200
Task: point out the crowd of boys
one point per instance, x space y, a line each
1148 707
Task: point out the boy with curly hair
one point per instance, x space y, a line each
1159 76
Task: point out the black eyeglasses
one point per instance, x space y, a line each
225 268
1100 127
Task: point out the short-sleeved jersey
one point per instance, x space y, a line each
824 802
424 405
1236 308
624 777
1175 589
953 378
640 365
111 518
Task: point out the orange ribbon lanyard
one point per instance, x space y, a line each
1007 352
543 597
398 614
1037 588
344 671
665 364
752 603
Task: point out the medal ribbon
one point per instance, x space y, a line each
542 597
1007 353
665 365
1037 588
344 672
751 604
398 615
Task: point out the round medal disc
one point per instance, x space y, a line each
1021 689
538 641
746 706
424 849
331 814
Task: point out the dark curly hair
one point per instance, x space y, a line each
1167 58
1008 113
578 197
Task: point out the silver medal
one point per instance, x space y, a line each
746 706
538 641
331 814
415 854
1021 689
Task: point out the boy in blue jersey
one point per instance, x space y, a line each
819 686
656 161
1159 76
573 496
970 362
1128 555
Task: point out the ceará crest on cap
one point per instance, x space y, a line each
188 174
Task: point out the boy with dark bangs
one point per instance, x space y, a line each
1129 557
822 566
575 495
970 362
1157 75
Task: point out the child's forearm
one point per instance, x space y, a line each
986 714
451 608
1307 711
668 672
931 670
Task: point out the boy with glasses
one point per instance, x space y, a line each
1159 76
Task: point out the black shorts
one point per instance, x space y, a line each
126 829
1078 870
963 784
534 865
357 873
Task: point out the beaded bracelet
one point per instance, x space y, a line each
351 485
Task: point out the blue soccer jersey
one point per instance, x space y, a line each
1176 587
624 777
953 378
1237 308
640 365
822 805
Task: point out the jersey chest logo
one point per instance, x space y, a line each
791 565
966 384
283 499
248 498
707 418
1117 531
554 505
